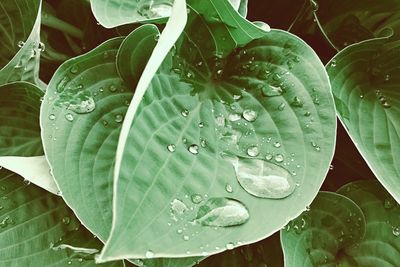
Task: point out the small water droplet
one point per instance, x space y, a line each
185 113
333 63
222 212
396 230
279 158
171 148
230 246
234 117
277 144
186 237
249 115
263 179
331 167
281 106
203 143
26 182
112 88
297 102
253 151
194 149
41 47
66 220
228 188
196 198
74 69
52 117
20 44
387 77
149 254
315 146
270 90
201 124
69 117
118 118
268 156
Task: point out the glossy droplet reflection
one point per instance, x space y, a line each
85 105
263 179
222 212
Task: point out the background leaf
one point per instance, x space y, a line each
324 234
184 127
365 82
347 22
34 226
115 13
19 35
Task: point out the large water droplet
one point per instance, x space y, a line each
194 149
86 105
171 148
253 151
185 113
178 207
222 212
269 90
249 115
69 117
262 178
196 198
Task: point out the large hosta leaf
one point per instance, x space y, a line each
118 12
229 95
38 229
19 40
346 22
360 226
20 145
365 82
381 243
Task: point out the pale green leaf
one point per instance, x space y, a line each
19 40
38 229
213 95
365 79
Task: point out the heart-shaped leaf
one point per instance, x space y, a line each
365 82
345 22
19 38
381 243
21 148
228 90
38 229
322 235
114 13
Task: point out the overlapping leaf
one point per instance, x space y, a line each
38 229
365 82
346 22
227 88
19 40
119 12
357 227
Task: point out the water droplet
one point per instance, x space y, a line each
62 83
194 149
387 77
269 156
297 102
315 146
66 220
85 105
331 167
186 237
203 142
228 188
149 254
396 230
333 63
269 90
52 117
253 151
279 158
26 182
171 148
112 88
201 124
263 179
222 212
185 113
230 246
281 106
20 44
41 47
388 204
69 117
220 121
178 207
196 198
307 114
234 117
118 118
74 69
277 144
249 115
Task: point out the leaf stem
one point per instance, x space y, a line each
55 23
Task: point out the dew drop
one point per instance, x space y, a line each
178 207
279 158
201 124
396 231
249 115
234 117
196 198
194 149
20 44
222 212
171 148
253 151
269 90
149 254
26 182
112 88
74 69
228 188
86 105
277 144
66 220
297 102
263 179
186 237
269 156
52 117
41 47
69 117
203 143
230 246
333 63
118 118
185 113
281 106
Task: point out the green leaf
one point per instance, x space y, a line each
381 243
323 235
20 144
218 84
365 82
264 253
119 12
347 22
19 35
38 229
